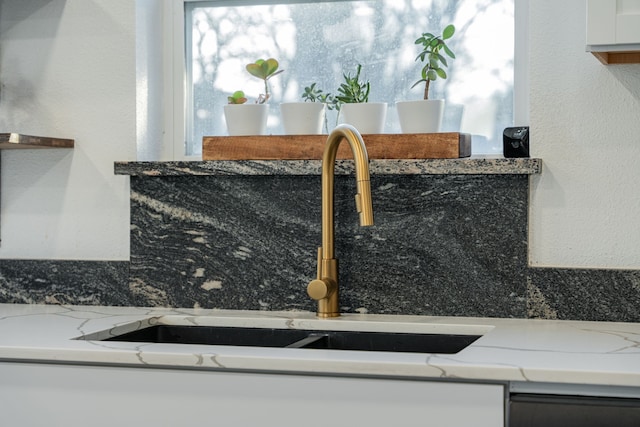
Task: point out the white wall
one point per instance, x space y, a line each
68 69
585 121
150 64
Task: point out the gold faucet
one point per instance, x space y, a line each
324 288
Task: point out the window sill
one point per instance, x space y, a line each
475 165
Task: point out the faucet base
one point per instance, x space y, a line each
328 307
327 315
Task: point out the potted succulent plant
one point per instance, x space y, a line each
251 118
306 117
355 108
425 115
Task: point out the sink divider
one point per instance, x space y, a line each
306 341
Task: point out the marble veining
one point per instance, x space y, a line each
517 350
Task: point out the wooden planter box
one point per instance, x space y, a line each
446 145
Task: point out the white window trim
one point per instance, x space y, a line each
173 144
521 56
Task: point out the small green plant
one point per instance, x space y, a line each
237 98
353 90
264 69
311 94
435 61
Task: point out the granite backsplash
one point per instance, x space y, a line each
450 238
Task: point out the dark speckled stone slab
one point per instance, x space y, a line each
65 282
450 238
466 166
583 294
442 245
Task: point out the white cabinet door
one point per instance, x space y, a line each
62 395
613 22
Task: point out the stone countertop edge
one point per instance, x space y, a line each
466 166
520 351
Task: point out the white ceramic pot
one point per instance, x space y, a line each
246 119
366 117
421 116
302 118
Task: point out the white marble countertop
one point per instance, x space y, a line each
528 351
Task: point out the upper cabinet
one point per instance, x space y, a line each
613 30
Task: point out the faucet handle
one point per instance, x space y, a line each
319 289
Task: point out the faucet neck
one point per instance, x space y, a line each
363 195
325 287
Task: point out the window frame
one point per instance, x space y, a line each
175 70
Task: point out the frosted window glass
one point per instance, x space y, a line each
318 42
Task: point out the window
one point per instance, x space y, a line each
319 41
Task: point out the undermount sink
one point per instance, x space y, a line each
444 343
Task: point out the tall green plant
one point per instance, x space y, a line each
435 62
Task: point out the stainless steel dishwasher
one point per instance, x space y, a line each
533 410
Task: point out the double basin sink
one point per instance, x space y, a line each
455 339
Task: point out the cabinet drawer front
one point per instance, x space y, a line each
34 394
